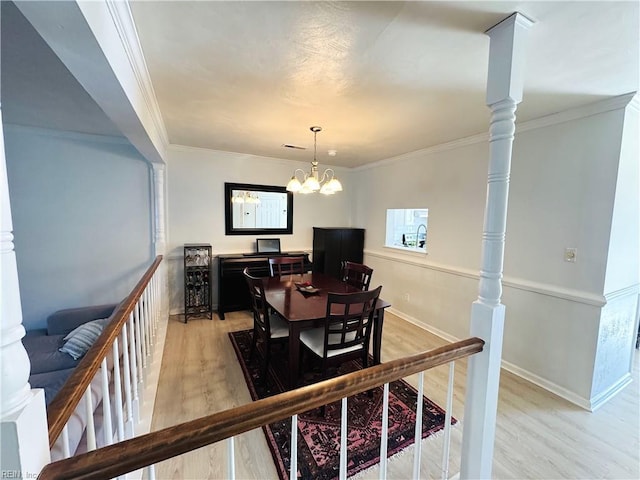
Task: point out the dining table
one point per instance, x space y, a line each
304 308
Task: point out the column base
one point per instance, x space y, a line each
25 440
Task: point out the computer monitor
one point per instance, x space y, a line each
268 245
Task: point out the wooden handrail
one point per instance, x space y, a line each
139 452
68 397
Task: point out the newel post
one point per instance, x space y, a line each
24 449
504 92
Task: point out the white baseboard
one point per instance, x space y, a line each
520 372
612 391
437 332
547 385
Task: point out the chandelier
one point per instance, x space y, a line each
245 197
311 182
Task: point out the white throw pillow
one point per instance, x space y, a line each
79 340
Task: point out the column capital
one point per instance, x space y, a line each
506 58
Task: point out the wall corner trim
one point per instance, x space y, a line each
67 134
125 25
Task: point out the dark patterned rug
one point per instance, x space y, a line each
319 436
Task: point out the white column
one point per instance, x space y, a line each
159 208
504 92
24 431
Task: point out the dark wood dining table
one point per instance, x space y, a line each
305 310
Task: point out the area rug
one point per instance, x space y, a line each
319 436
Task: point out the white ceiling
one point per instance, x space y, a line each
381 78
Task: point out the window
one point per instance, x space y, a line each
407 228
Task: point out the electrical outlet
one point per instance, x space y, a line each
570 254
406 297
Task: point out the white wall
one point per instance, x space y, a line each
562 191
195 186
81 214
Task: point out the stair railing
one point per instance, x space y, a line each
128 336
146 450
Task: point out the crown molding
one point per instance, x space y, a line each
443 147
174 147
588 110
126 28
584 111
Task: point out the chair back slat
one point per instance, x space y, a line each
356 274
279 266
259 306
349 319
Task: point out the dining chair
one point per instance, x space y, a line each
286 265
267 326
346 330
356 274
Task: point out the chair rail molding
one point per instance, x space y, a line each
550 290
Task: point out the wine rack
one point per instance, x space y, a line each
197 276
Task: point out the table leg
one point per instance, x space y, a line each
377 335
294 354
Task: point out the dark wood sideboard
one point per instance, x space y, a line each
233 293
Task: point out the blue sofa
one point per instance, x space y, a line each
50 368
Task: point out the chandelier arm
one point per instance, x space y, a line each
304 174
325 175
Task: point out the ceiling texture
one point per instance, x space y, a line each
381 78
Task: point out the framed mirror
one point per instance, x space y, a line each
257 209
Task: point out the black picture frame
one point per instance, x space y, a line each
230 229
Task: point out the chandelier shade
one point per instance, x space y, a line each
312 181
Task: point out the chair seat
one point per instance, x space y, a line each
314 340
279 326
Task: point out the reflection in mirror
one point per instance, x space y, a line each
257 209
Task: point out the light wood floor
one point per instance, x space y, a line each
539 435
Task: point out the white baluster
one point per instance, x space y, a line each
134 372
385 432
106 404
139 342
293 467
144 337
417 440
91 429
66 451
151 472
447 425
126 368
147 319
118 391
343 440
231 459
156 313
